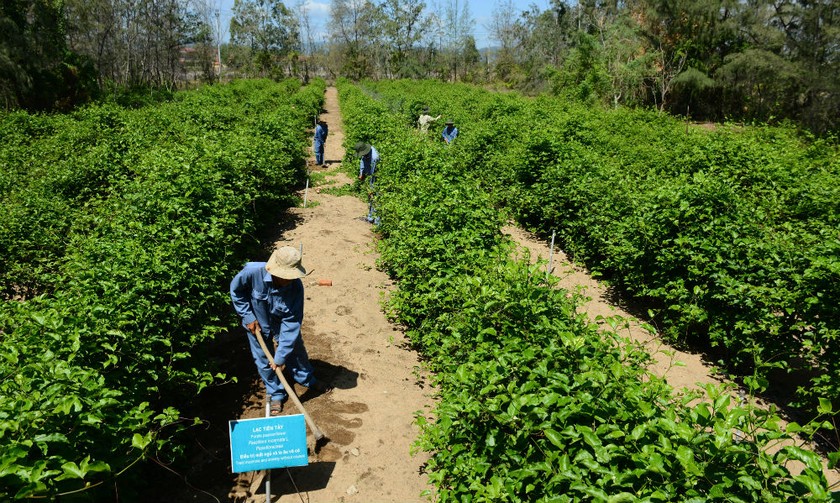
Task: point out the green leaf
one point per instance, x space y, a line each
686 458
555 438
833 459
793 428
139 441
825 406
71 471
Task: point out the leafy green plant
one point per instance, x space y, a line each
122 232
729 237
535 403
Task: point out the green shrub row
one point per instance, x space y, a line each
729 237
535 403
121 230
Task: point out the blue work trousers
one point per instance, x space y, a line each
318 147
297 362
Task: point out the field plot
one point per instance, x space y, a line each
728 238
535 402
123 227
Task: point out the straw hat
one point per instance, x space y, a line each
285 263
450 123
362 149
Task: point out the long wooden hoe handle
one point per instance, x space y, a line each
289 390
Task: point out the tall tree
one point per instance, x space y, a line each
404 25
545 39
630 65
503 29
270 31
471 63
457 33
307 38
353 37
202 41
812 40
37 71
131 42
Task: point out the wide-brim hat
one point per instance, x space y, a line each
362 148
285 263
450 123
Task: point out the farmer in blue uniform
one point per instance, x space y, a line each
368 158
450 132
321 131
270 294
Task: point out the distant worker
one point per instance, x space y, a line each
269 296
368 158
321 131
450 132
426 119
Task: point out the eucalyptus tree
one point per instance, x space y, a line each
544 38
269 33
37 70
630 65
690 40
472 69
354 37
404 24
458 34
202 40
93 29
757 59
432 50
161 34
131 42
811 31
505 30
308 48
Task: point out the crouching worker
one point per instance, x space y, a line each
270 295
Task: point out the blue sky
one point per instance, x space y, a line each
481 11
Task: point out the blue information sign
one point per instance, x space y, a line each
266 443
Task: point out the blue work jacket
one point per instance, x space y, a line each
367 164
279 311
449 133
321 132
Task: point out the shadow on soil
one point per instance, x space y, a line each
297 480
337 376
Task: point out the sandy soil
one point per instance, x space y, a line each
380 384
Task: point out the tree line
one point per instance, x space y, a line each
747 60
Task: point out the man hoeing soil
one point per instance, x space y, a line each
269 296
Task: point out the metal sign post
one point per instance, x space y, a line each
550 255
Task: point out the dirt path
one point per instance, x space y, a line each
681 369
369 418
379 385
